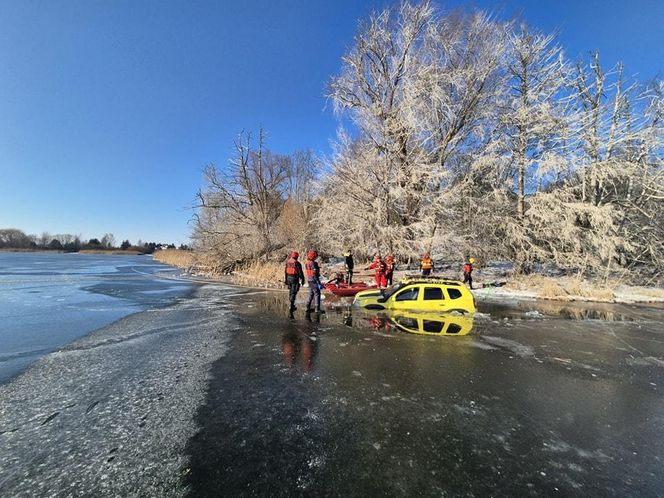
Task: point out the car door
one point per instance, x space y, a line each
460 300
406 298
434 299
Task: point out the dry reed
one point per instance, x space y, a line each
176 257
260 274
561 288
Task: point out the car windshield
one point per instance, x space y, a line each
391 290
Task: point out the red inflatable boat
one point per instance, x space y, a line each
342 289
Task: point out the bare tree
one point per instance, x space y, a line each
44 239
108 241
294 224
240 205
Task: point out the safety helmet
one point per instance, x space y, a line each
427 255
347 253
377 257
471 260
294 254
389 258
312 255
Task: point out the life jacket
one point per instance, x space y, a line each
379 266
291 267
311 270
427 264
467 268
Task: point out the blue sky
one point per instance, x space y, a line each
110 109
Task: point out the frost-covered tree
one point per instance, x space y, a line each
372 91
355 205
463 135
621 161
419 88
453 108
534 117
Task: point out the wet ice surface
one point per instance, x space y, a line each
525 404
48 300
111 413
224 394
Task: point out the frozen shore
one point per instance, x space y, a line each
110 414
493 281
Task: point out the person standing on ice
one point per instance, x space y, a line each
426 265
293 276
379 267
349 264
312 270
389 270
467 272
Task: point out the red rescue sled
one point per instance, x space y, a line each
342 289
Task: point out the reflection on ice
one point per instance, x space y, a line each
392 321
420 323
298 348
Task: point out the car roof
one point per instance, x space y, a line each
434 281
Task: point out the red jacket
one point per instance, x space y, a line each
312 271
293 269
379 266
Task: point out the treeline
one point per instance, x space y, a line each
470 136
12 238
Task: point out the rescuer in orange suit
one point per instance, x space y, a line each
468 272
293 277
426 265
312 271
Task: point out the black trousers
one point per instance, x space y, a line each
467 277
293 289
314 293
388 277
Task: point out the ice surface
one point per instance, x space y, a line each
110 414
48 300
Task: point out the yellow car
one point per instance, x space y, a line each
430 324
421 294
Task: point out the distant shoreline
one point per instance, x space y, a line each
111 252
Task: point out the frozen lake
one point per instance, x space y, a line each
48 300
224 392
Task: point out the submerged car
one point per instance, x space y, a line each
431 324
420 294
